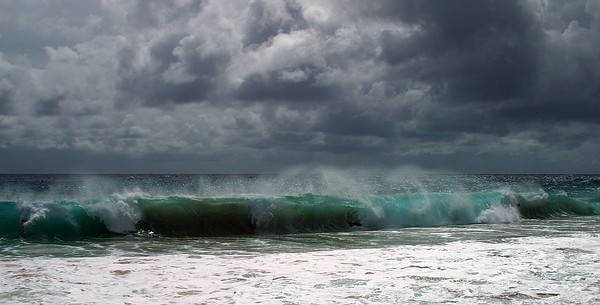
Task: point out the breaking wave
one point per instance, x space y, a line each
135 212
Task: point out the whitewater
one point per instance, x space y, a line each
329 237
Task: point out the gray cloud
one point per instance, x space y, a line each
49 106
473 51
355 123
6 96
187 76
257 86
288 85
266 19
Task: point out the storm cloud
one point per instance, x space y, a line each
259 86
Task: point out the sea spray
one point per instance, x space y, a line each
499 214
119 212
257 214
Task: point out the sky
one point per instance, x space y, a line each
202 86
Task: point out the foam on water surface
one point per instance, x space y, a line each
553 270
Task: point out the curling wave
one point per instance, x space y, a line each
546 206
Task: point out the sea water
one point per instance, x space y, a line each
322 238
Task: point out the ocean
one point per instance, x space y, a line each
327 237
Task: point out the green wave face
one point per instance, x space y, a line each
546 206
57 219
244 216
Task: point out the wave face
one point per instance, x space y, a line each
546 206
69 207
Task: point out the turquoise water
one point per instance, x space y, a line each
330 237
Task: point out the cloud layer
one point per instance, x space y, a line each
258 86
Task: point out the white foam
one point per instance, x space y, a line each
499 214
120 212
555 270
37 214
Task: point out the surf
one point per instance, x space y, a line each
72 207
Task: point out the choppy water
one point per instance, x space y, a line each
322 238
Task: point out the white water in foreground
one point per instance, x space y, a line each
520 270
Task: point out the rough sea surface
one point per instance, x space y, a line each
323 238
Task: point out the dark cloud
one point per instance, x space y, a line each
355 123
6 96
256 86
49 106
28 26
188 76
575 11
285 85
472 50
5 99
152 13
495 58
267 19
161 51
